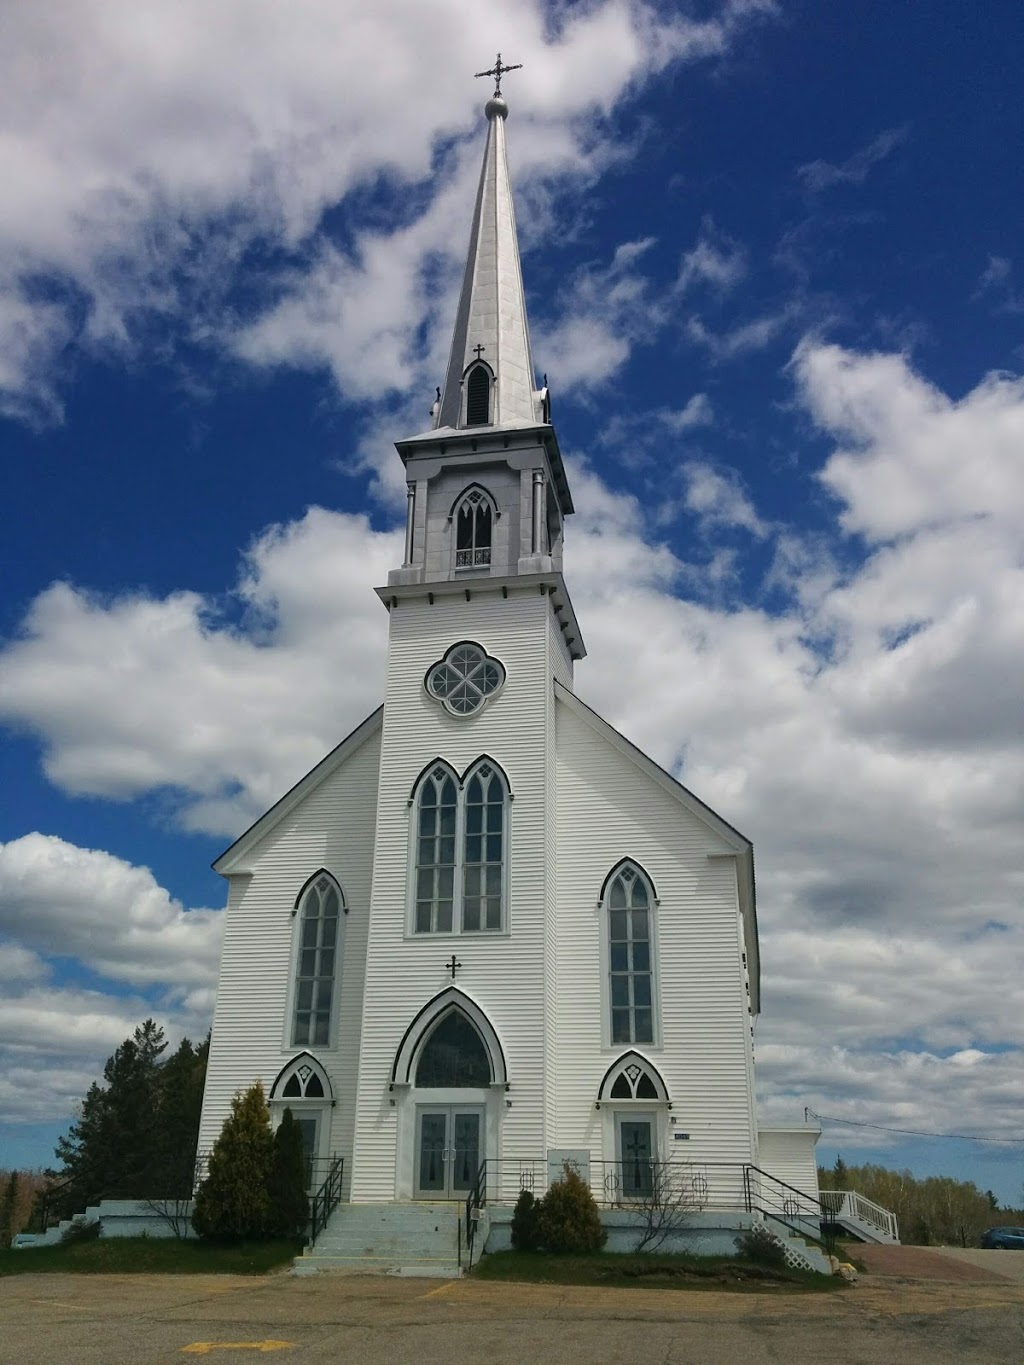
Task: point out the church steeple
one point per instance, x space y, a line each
487 491
490 378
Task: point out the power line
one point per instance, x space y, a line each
912 1132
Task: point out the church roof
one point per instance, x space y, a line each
490 325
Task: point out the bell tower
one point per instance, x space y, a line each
487 490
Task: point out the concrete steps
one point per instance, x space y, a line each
387 1239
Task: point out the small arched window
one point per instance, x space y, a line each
628 899
478 396
437 808
474 522
320 911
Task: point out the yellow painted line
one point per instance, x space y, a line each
203 1348
445 1288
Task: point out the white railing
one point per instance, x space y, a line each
854 1205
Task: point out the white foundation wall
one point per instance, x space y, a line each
504 974
332 828
609 809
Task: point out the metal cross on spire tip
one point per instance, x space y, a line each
497 71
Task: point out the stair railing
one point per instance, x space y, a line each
785 1204
475 1201
326 1199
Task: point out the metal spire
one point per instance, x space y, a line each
490 325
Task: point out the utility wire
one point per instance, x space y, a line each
912 1132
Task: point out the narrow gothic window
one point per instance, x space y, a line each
454 1055
482 865
478 397
629 933
435 853
473 531
316 969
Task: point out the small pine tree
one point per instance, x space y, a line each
840 1175
233 1202
569 1219
526 1223
289 1203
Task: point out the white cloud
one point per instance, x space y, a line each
821 175
146 148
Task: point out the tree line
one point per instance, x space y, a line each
934 1211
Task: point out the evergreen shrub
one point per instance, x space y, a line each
233 1202
289 1203
526 1223
569 1219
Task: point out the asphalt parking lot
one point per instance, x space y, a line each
143 1320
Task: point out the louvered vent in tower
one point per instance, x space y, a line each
478 397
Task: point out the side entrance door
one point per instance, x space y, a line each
449 1147
635 1141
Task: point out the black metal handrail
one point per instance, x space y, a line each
475 1201
785 1204
326 1199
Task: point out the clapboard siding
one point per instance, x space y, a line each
333 829
788 1154
610 809
503 974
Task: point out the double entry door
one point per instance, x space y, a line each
449 1149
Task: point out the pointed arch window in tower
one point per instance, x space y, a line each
435 853
478 396
629 933
483 862
473 525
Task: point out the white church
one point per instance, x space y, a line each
487 928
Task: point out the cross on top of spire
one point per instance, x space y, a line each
498 70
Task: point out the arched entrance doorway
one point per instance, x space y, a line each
450 1135
450 1078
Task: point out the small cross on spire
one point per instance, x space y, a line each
498 70
479 350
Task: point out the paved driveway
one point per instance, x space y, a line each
150 1320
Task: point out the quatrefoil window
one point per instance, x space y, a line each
464 678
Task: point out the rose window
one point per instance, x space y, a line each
464 679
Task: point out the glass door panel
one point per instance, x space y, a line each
636 1141
465 1150
432 1154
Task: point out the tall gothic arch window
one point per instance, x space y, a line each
483 852
437 813
460 831
319 950
478 396
474 523
628 900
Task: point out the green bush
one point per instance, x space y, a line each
233 1202
81 1231
526 1223
569 1221
289 1203
759 1244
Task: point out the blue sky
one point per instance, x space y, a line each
774 273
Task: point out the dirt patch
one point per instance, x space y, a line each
921 1263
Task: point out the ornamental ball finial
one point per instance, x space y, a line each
496 107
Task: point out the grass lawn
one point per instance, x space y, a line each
149 1256
649 1272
